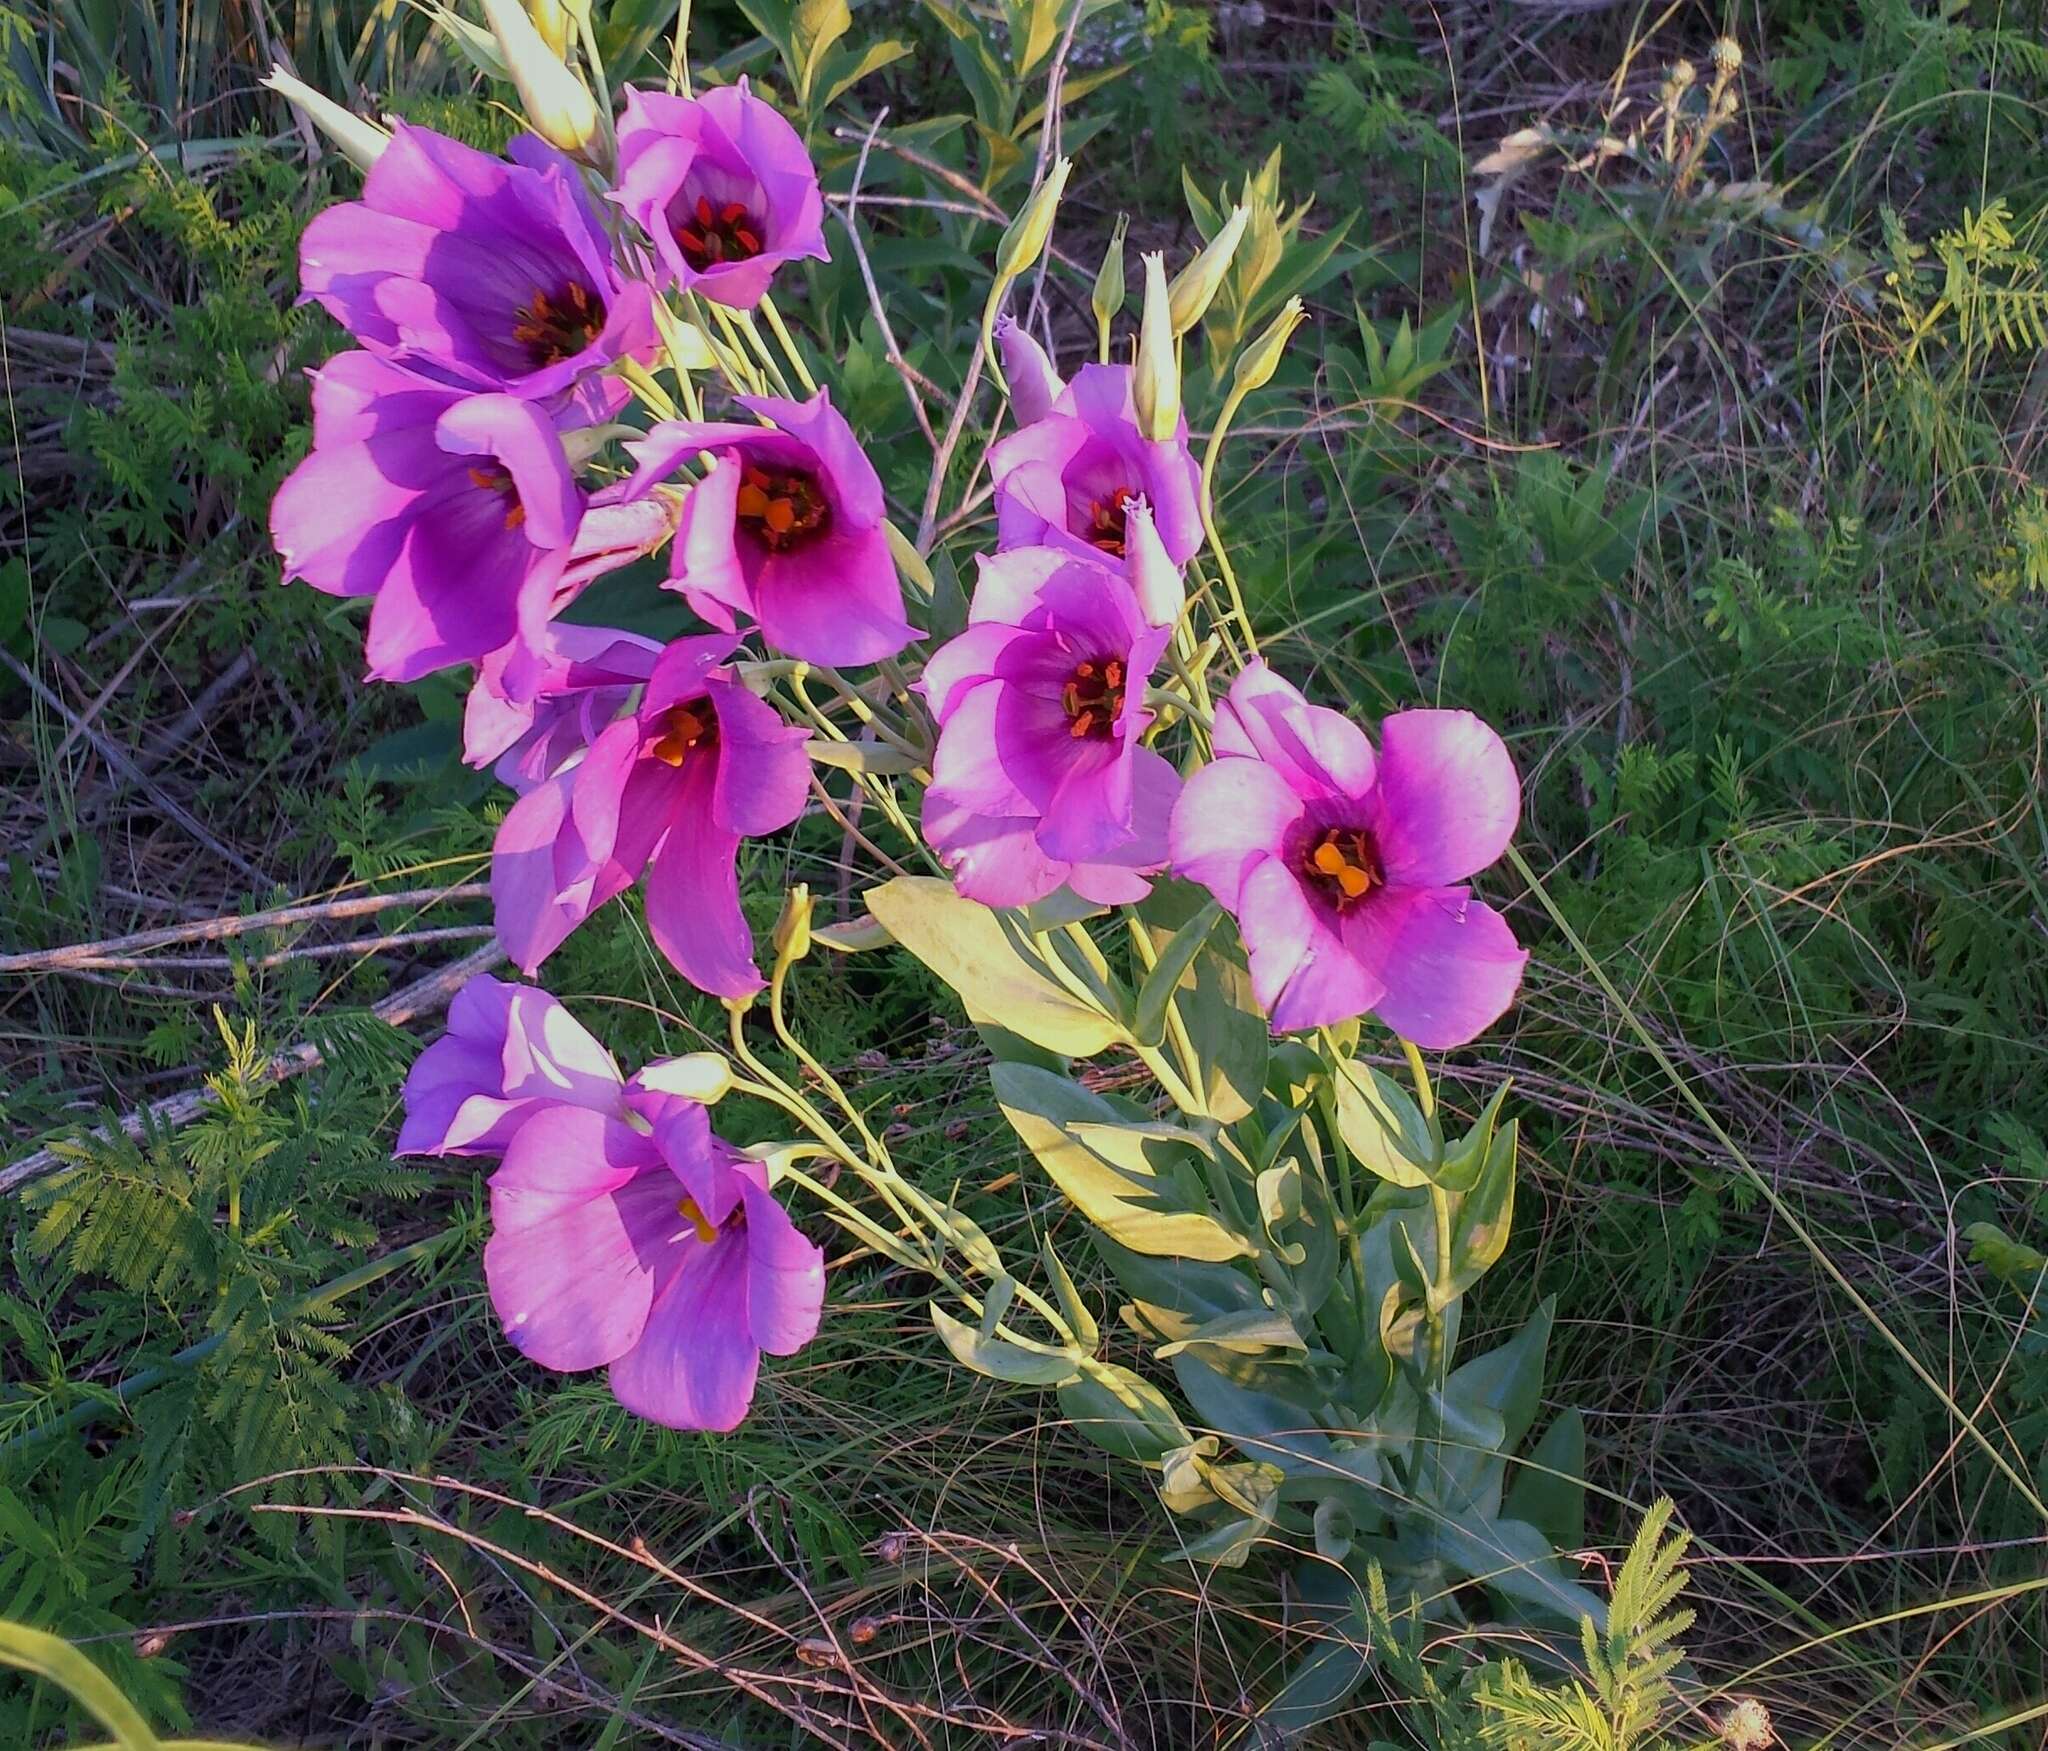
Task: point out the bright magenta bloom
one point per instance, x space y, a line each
662 1255
1343 870
1069 476
493 275
456 511
1040 780
669 790
785 529
723 188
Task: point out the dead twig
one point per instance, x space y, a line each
422 997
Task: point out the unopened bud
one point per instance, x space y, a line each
1108 296
1026 238
1257 363
1684 74
1034 384
1155 381
1154 578
704 1077
557 103
1196 285
360 141
1726 54
557 29
793 928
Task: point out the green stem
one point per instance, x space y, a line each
789 347
1231 403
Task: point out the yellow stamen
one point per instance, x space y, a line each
687 1209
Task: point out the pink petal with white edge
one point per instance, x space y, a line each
1302 973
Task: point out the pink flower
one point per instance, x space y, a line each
662 1256
723 188
456 511
491 275
1342 871
1069 476
1040 780
669 790
785 528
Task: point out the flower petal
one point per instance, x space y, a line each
785 1276
693 895
1449 963
696 1362
763 772
1302 973
1232 815
1447 799
580 1212
1320 752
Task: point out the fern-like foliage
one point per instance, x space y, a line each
227 1228
1628 1686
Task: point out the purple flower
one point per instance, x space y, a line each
670 790
663 1256
509 1051
1068 478
723 188
1343 871
784 528
1039 779
493 275
456 511
585 676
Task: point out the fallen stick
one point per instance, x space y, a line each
422 997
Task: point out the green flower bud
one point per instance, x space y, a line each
1108 296
1155 383
1196 285
1025 240
557 103
1257 363
362 142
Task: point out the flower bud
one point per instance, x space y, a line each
557 103
557 29
704 1077
1108 295
1155 382
1196 285
1034 384
793 928
1257 363
1155 579
1025 240
1726 54
362 142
